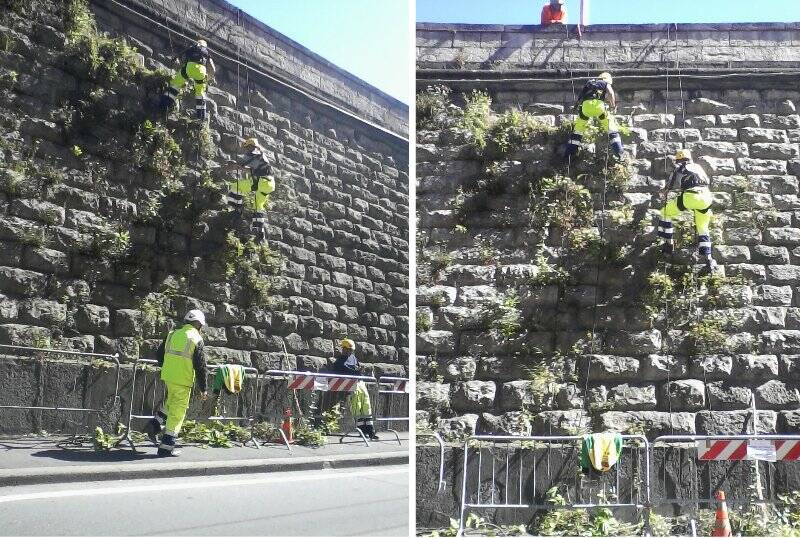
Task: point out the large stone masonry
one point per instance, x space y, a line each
640 377
339 219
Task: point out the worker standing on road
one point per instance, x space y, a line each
360 406
256 185
597 100
181 358
696 197
197 67
554 13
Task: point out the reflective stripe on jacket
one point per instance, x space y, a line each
179 351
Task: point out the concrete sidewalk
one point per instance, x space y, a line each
39 460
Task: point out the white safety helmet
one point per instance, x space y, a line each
202 43
195 315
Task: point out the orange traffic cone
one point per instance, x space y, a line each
722 527
287 425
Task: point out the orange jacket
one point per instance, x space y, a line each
550 15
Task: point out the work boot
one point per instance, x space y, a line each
709 268
667 248
370 431
153 430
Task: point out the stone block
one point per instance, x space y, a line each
775 394
753 135
436 341
42 312
684 395
21 282
723 396
609 367
473 396
632 397
655 423
734 422
92 319
457 427
559 422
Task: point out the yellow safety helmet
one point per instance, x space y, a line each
202 43
683 155
250 142
347 344
606 76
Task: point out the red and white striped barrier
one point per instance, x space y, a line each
787 450
342 384
301 382
744 449
722 450
316 382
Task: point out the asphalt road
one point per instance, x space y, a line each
371 501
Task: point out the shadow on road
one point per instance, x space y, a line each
69 454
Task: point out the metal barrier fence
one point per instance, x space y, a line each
242 406
324 384
391 387
440 442
509 480
51 396
750 468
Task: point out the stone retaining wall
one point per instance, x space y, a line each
338 221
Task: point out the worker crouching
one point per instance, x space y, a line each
360 405
196 66
694 196
255 186
182 363
596 101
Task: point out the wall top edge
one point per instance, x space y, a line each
394 102
596 28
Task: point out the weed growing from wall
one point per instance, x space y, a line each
155 150
253 265
475 118
432 104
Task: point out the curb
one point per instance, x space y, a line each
133 471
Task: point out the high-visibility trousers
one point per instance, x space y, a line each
360 406
176 406
698 201
592 109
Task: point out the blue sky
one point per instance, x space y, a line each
368 38
611 11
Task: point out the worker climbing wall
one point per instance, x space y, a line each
113 215
544 303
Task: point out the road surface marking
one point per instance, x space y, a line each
196 485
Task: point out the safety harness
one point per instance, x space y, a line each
198 55
593 89
688 180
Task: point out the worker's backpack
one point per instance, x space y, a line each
197 54
594 89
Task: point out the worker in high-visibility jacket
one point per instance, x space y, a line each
182 363
196 67
255 186
360 406
695 196
554 13
597 101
